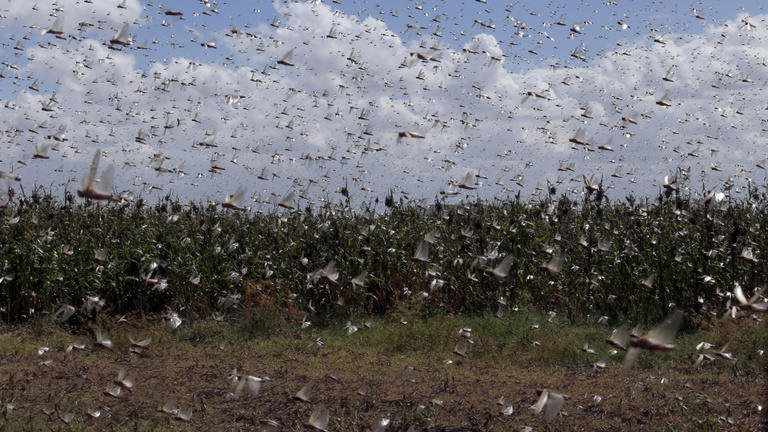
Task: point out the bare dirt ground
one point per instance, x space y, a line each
360 386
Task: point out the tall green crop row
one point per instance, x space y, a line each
621 259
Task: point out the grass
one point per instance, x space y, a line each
388 369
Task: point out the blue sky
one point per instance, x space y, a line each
601 32
332 115
642 17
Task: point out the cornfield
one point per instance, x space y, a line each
625 259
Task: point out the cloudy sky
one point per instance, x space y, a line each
311 97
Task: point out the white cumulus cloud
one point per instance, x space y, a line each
319 101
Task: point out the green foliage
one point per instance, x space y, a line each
48 252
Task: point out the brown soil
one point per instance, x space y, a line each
405 388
